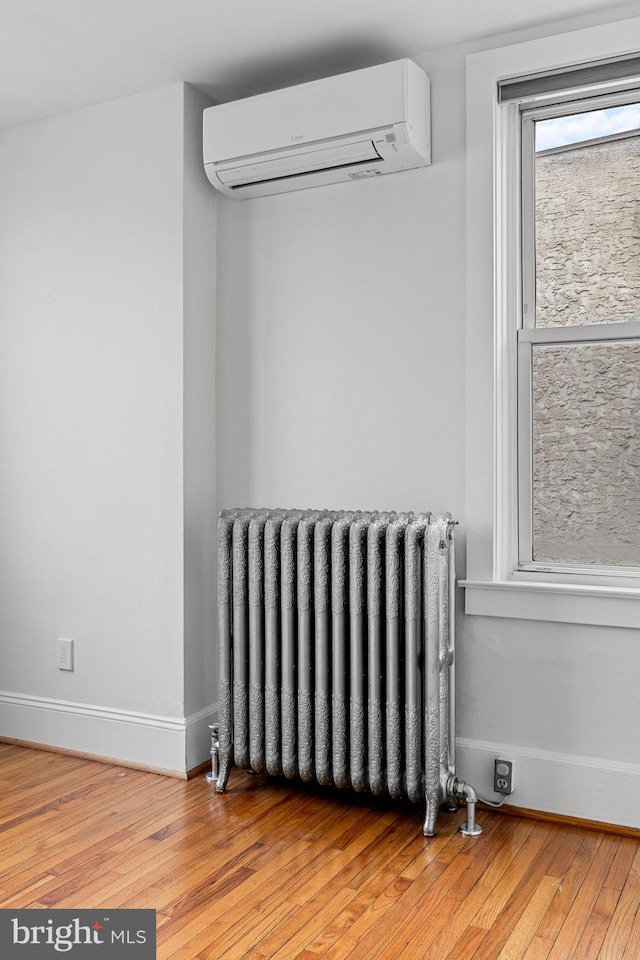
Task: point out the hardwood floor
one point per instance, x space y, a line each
272 871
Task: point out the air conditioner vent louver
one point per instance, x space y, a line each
315 159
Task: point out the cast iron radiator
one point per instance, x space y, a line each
337 652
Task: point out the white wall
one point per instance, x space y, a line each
341 383
340 362
200 516
96 215
342 340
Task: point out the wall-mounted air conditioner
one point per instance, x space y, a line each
349 127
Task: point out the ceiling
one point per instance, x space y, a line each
57 55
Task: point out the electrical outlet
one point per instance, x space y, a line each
65 654
503 776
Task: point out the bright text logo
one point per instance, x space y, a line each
37 934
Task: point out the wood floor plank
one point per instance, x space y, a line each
206 932
236 912
340 924
522 934
632 949
302 926
233 889
381 893
25 895
412 908
381 920
585 898
280 871
519 897
338 948
598 922
468 944
509 881
65 834
618 939
324 867
622 864
238 941
441 919
511 835
570 864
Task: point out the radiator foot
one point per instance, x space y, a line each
470 828
429 828
212 776
223 774
464 791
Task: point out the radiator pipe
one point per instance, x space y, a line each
464 791
452 644
457 789
215 748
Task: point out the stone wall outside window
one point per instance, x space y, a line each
586 398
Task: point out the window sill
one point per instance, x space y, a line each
557 602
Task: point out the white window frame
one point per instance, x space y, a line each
496 585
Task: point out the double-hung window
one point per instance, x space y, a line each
553 332
578 338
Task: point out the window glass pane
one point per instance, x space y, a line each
590 125
587 217
586 453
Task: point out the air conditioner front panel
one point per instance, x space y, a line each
333 107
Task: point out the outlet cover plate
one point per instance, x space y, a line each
503 776
65 654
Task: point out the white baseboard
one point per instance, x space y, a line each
574 786
198 736
171 745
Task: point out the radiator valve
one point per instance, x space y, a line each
215 746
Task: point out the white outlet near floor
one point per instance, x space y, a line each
65 654
503 776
